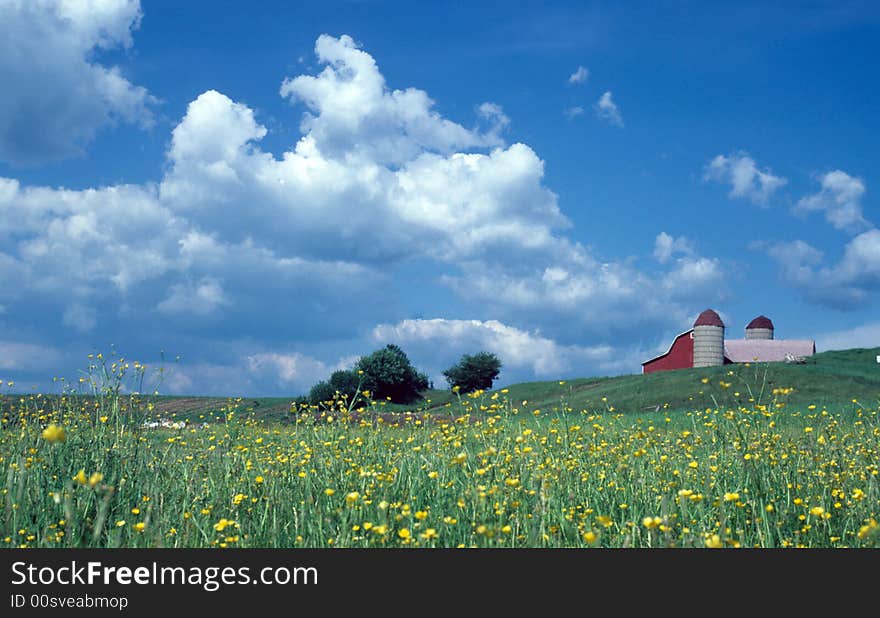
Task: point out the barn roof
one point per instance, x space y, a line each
709 318
766 350
762 321
671 345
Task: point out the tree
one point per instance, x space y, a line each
474 372
388 373
321 392
342 384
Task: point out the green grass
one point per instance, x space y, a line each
831 379
799 466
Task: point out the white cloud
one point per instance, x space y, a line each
56 96
573 112
666 246
17 355
202 298
607 109
840 200
233 238
848 283
863 336
352 111
696 279
580 76
745 179
293 370
523 354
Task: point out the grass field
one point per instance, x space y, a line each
759 455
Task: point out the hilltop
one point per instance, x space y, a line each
832 379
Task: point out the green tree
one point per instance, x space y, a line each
388 373
321 392
474 372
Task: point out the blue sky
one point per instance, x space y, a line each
271 191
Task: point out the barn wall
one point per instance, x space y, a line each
680 356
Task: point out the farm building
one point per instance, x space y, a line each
704 345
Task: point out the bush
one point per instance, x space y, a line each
321 392
474 372
388 373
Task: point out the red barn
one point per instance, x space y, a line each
679 355
705 346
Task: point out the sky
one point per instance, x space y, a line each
253 195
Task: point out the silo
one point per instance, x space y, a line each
760 328
708 340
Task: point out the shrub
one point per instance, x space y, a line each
389 373
474 372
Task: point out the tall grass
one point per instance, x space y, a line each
494 473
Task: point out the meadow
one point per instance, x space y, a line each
737 462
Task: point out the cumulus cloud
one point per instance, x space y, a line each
862 336
524 354
278 248
666 246
607 109
846 284
580 76
573 112
351 110
56 95
840 199
745 179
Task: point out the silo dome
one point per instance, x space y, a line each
709 318
708 340
760 328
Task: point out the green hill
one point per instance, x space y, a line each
831 379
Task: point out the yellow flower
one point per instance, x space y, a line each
651 522
713 541
604 520
95 478
135 511
352 497
693 465
769 508
817 511
53 433
103 419
380 530
258 480
329 492
866 530
120 523
420 515
81 477
404 533
433 474
224 523
731 496
140 526
429 534
590 537
460 458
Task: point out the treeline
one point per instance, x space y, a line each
388 375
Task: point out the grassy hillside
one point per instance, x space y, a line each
832 379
